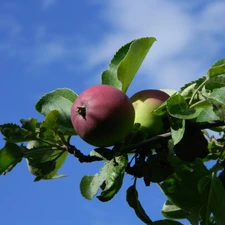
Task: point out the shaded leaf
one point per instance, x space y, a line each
182 190
157 168
10 155
15 134
166 222
132 199
44 161
193 145
212 190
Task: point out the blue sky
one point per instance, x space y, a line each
48 44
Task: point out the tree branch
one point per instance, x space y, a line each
87 158
81 157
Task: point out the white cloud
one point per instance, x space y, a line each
188 37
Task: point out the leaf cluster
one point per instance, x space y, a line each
175 160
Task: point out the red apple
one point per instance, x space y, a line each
144 103
102 115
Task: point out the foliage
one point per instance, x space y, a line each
175 161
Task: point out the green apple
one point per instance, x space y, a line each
102 115
144 103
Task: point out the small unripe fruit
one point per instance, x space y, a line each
102 115
144 103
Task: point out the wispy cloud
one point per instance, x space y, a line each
48 3
189 37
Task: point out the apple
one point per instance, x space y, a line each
102 115
144 103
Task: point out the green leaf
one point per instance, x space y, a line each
178 108
51 120
89 186
217 99
172 211
109 76
215 82
157 168
109 180
207 115
194 215
15 134
161 110
126 63
177 128
44 161
182 190
49 127
10 155
61 100
166 222
170 92
29 124
133 60
189 89
132 199
103 153
217 69
193 145
212 190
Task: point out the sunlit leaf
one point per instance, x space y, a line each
126 63
217 99
109 180
29 124
207 115
133 60
217 69
188 89
172 211
60 100
215 82
177 127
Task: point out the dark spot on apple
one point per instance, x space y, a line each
82 111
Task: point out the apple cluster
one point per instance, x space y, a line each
103 115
